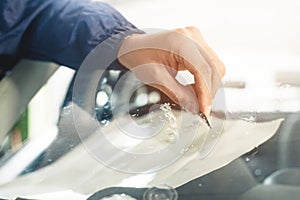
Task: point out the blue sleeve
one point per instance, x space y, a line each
62 31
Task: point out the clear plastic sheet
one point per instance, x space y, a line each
81 172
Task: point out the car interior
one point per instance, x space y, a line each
270 171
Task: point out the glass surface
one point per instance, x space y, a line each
55 138
271 164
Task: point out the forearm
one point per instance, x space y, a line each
65 31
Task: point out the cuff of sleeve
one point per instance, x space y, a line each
105 55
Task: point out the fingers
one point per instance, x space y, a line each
181 49
204 64
160 77
203 83
195 34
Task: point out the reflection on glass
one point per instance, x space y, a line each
162 192
118 197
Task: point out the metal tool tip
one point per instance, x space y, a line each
205 119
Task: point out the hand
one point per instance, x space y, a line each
156 58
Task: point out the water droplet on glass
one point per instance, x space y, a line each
248 118
257 172
250 155
161 118
283 85
186 128
184 150
151 147
195 122
170 137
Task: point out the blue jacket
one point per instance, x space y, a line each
62 31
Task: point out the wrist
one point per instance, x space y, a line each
128 45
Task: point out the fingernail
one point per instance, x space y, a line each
205 119
207 111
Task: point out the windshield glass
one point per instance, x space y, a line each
103 134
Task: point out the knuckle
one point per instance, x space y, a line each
192 29
183 31
222 69
208 71
181 41
182 34
174 36
219 66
